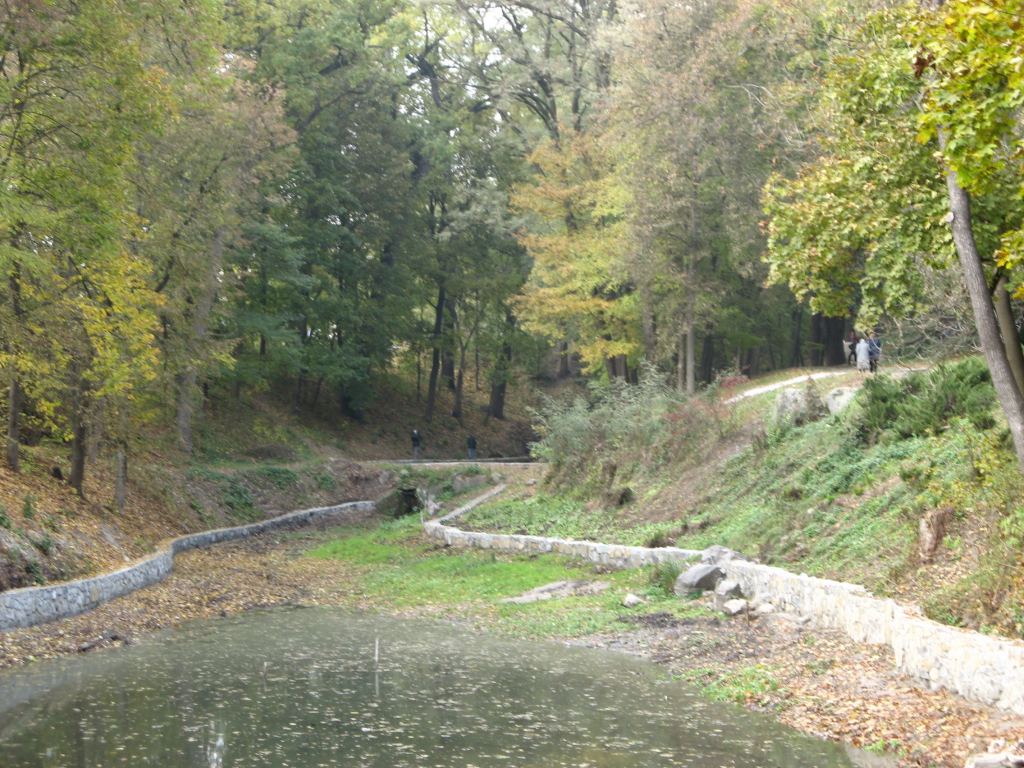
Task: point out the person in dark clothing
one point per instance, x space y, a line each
417 441
471 447
874 351
851 346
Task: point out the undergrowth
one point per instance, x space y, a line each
622 430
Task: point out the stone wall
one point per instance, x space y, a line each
616 555
37 605
978 667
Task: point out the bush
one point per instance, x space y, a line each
925 403
664 576
621 426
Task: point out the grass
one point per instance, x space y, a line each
743 686
560 517
397 569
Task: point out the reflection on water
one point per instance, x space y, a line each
318 687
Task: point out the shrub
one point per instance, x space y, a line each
664 575
28 507
648 424
925 403
5 521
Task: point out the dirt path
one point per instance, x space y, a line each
782 384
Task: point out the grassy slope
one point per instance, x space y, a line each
813 499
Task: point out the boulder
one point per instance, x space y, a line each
734 607
728 589
798 405
632 601
840 397
764 609
704 576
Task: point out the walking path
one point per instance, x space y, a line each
781 384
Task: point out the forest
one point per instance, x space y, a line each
213 197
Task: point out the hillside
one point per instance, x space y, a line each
912 490
254 457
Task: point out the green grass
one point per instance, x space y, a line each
741 686
560 517
397 568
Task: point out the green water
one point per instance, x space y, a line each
301 688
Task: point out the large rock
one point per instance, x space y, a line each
728 588
734 607
704 577
839 398
798 405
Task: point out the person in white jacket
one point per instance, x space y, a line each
863 355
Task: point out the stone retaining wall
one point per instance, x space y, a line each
616 555
978 667
37 605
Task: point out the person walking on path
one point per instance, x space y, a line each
874 351
863 356
471 447
851 346
417 441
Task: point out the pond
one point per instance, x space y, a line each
306 688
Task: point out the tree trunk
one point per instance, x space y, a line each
834 332
78 436
14 403
564 371
817 339
691 356
121 477
448 366
796 356
502 371
1010 397
1008 331
435 359
460 378
681 363
186 386
707 358
15 395
650 331
448 369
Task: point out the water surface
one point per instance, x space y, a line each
321 687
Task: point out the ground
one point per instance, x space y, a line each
816 681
